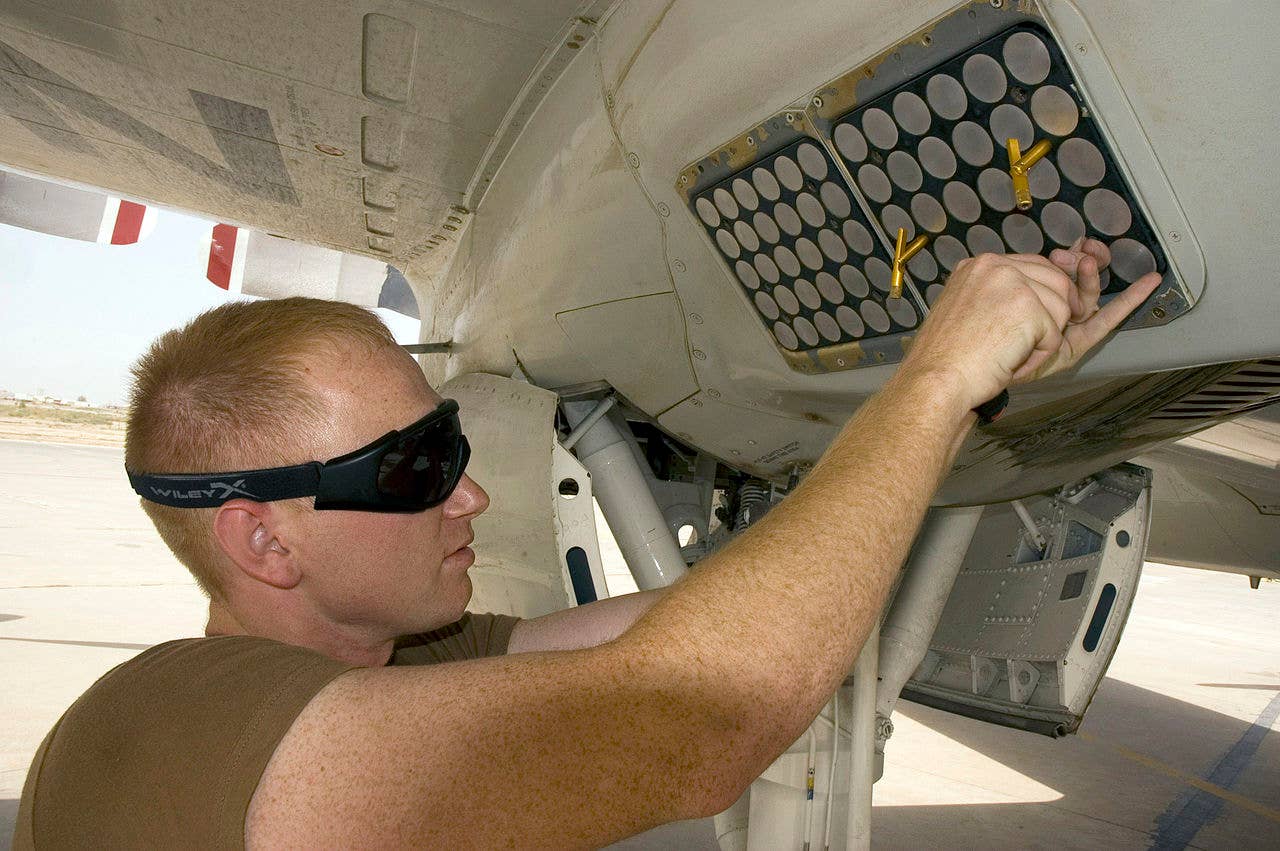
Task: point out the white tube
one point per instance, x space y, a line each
926 584
620 486
831 772
591 419
1029 524
808 787
862 753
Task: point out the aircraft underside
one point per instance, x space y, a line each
657 247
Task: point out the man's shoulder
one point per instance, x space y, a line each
473 636
180 733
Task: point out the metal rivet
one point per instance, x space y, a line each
817 102
751 141
713 393
791 118
684 178
678 265
609 100
695 318
699 354
839 361
751 443
663 209
926 40
1082 48
735 452
633 159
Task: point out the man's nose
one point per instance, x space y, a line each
467 499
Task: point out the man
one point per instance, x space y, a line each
289 727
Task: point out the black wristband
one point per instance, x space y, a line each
990 411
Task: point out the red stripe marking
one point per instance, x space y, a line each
128 223
222 250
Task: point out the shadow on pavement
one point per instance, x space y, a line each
1112 795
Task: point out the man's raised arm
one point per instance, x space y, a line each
676 716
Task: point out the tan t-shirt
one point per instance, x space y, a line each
166 750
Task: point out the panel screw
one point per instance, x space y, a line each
817 102
699 354
996 4
697 403
663 209
751 141
1082 48
633 159
713 393
1158 312
608 99
1175 236
839 361
735 452
695 318
791 118
751 443
678 265
684 179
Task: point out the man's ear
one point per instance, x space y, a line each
252 535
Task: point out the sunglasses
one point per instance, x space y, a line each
409 470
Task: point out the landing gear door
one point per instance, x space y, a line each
1039 605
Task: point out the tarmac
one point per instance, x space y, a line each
1178 750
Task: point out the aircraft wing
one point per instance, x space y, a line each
360 131
262 264
1216 497
61 210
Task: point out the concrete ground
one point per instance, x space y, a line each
1178 750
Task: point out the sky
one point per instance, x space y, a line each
74 315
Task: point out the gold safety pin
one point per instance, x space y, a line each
902 253
1020 164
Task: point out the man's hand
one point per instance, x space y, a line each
1009 319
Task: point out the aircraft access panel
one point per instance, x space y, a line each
972 136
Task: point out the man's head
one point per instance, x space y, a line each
261 384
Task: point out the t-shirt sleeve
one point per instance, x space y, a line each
166 750
475 636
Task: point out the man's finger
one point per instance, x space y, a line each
1087 334
1055 302
1048 347
1042 271
1098 251
1088 288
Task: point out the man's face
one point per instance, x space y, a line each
386 573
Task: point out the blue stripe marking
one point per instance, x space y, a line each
1195 808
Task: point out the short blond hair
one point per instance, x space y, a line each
228 391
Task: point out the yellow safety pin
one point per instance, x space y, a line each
1020 164
902 253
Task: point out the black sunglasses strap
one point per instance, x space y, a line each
208 490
